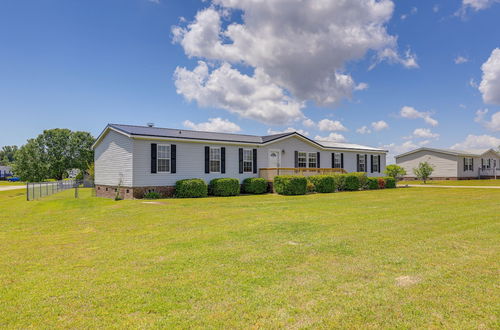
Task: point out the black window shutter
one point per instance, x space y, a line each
366 163
223 159
207 159
173 158
465 164
333 160
357 163
342 160
472 163
482 162
318 165
379 163
371 163
254 160
296 159
153 157
240 159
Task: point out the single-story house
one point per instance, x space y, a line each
5 171
138 159
452 164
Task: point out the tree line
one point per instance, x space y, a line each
50 155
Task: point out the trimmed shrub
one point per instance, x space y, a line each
390 182
373 183
323 183
290 185
191 188
224 187
381 183
310 187
255 185
339 181
152 195
363 179
352 182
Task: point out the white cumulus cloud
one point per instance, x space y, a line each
379 125
492 124
298 49
213 125
477 143
412 113
332 137
460 60
331 125
490 83
363 130
308 123
425 133
254 97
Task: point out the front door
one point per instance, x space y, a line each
274 158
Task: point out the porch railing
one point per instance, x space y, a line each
270 173
489 172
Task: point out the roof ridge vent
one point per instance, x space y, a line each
151 124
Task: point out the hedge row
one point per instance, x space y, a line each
299 185
195 188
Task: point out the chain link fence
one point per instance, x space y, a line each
35 190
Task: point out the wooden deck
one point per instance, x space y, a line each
270 173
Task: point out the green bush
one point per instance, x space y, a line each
339 181
372 183
224 187
363 179
310 187
352 182
189 188
290 185
323 183
152 195
255 185
390 182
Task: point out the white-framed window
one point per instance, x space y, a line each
375 163
163 158
468 164
337 160
361 163
247 160
312 160
215 160
302 159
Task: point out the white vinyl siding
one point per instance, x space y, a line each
445 165
113 159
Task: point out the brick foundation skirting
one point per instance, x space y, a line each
131 193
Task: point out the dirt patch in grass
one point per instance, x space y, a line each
406 280
154 203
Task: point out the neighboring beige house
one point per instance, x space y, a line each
452 164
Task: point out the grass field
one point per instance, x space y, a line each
8 183
400 258
455 182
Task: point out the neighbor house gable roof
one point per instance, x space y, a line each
452 152
145 132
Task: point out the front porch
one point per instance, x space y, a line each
271 172
489 173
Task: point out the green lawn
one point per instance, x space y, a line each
400 258
456 182
8 183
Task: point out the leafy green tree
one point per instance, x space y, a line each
395 171
51 154
8 155
423 171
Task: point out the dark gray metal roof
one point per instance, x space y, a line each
227 137
195 135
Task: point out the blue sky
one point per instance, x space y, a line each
83 64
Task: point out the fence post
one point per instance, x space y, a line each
27 191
